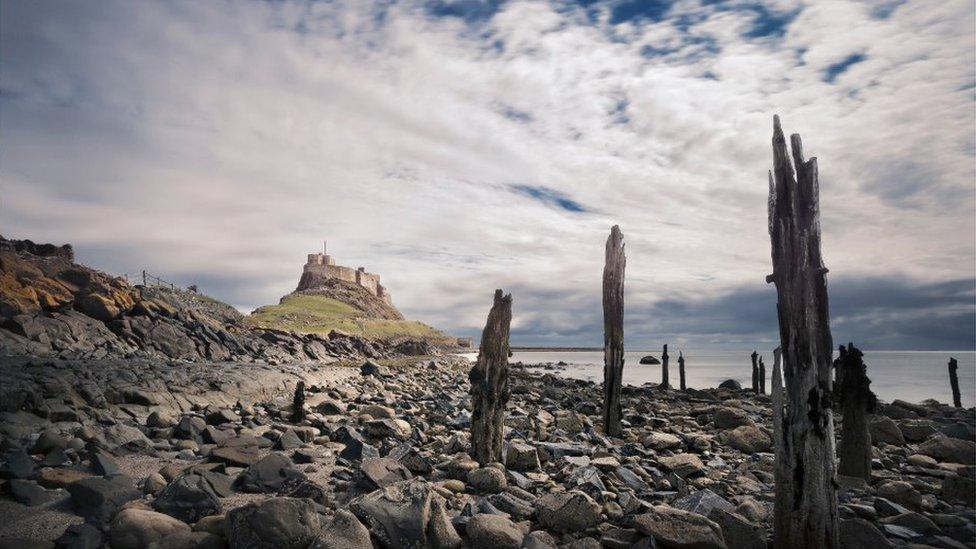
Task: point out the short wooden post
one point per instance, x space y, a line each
613 331
681 371
298 403
954 382
665 374
857 400
806 503
755 372
489 383
762 376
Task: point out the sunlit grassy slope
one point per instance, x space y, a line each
319 314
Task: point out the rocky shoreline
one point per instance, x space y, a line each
150 453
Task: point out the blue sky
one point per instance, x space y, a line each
459 146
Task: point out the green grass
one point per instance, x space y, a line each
314 314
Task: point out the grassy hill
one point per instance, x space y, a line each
317 313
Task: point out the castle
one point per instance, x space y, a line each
321 266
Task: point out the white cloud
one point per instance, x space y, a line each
221 141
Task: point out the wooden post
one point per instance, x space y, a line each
489 383
762 376
806 505
856 401
681 371
298 403
613 331
755 372
144 277
665 375
781 463
954 382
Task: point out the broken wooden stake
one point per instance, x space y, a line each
755 372
681 371
954 382
806 496
665 375
762 376
298 403
613 331
489 383
857 401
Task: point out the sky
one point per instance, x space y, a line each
458 146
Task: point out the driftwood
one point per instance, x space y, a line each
762 376
777 395
755 372
806 496
681 371
613 331
665 375
853 389
298 403
489 383
954 382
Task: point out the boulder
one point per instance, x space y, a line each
343 532
683 465
738 532
858 533
947 449
902 493
884 429
98 498
662 441
702 502
189 498
274 473
674 528
749 439
494 531
407 514
572 511
520 456
488 480
959 488
649 359
730 384
136 528
727 417
80 536
278 523
190 540
380 472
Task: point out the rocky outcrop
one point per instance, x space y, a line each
52 307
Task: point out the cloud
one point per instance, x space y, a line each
459 146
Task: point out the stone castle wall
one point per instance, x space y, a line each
324 265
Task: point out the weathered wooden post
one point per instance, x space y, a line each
489 383
762 376
954 382
806 497
755 372
852 387
681 371
776 395
665 374
298 403
613 331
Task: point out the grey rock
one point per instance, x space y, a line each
493 531
188 498
273 473
572 511
884 429
381 472
487 480
675 528
343 532
278 523
138 528
702 502
407 514
97 498
858 533
738 532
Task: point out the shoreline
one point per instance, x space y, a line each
703 453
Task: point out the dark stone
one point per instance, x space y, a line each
730 384
18 465
98 498
80 536
649 360
274 473
188 498
103 464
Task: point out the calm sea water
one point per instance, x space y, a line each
909 375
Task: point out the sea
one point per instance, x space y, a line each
908 375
